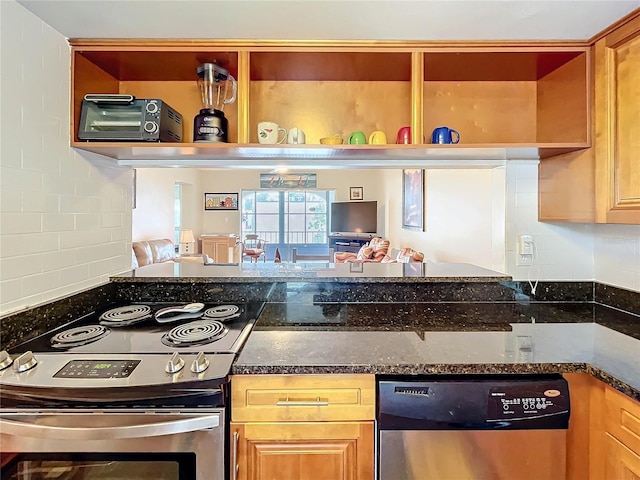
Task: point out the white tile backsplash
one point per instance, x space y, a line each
40 202
15 179
617 255
19 223
566 251
55 203
42 282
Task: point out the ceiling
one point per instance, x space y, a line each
332 19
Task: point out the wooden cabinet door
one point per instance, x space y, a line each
622 463
217 247
303 451
617 86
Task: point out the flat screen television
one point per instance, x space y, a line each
354 217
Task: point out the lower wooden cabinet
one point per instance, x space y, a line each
622 462
604 432
302 427
302 451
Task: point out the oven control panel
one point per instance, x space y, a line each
97 369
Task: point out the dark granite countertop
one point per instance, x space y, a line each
195 272
446 337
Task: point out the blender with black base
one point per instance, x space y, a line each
210 125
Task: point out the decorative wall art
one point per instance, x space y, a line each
221 201
288 180
356 193
413 199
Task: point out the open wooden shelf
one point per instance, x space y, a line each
507 101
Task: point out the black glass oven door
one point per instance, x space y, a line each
100 466
184 444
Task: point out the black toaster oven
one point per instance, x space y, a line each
117 117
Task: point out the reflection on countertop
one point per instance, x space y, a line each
445 337
317 271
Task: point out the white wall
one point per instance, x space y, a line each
617 255
65 220
466 222
564 251
464 216
153 216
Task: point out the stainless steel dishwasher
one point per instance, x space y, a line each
472 427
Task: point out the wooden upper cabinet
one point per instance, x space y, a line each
149 71
330 92
617 83
527 95
496 96
601 184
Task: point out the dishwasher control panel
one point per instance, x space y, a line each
473 402
511 402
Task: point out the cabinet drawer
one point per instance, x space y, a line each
299 398
622 419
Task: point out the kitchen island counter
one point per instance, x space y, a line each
195 272
451 338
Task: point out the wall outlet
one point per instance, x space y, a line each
525 250
525 245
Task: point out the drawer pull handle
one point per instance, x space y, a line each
302 403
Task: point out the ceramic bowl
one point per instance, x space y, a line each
335 140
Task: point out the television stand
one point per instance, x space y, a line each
349 242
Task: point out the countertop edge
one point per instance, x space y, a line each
275 279
433 369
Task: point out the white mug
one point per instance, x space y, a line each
296 136
268 133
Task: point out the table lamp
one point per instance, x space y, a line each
187 242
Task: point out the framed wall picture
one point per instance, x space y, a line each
221 201
356 193
413 199
288 180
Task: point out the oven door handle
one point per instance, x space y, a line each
154 429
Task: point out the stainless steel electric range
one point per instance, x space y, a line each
137 391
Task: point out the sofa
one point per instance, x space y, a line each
378 251
160 250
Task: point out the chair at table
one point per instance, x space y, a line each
254 247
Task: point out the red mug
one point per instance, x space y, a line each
404 135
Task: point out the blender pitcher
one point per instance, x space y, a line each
217 88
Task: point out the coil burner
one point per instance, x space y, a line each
78 336
222 312
125 316
199 332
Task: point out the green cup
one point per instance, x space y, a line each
357 138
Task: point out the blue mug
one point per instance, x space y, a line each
444 135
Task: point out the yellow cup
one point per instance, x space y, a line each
334 140
378 138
